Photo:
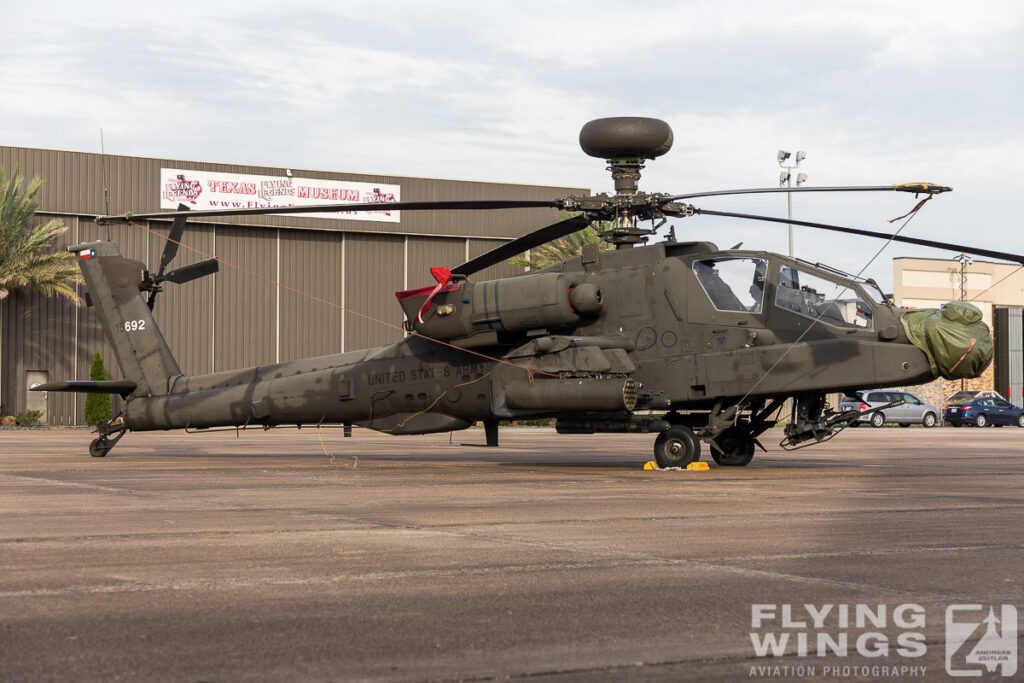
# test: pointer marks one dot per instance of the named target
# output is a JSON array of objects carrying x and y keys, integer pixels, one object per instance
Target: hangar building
[{"x": 234, "y": 319}]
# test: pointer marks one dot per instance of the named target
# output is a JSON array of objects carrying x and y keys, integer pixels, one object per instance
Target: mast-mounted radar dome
[
  {"x": 626, "y": 137},
  {"x": 626, "y": 142}
]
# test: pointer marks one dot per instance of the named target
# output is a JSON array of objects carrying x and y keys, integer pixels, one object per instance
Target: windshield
[
  {"x": 815, "y": 297},
  {"x": 733, "y": 284},
  {"x": 874, "y": 291}
]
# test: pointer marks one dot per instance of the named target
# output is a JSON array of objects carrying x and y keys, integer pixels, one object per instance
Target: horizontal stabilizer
[{"x": 111, "y": 386}]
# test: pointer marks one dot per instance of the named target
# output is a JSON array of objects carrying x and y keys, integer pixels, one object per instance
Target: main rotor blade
[
  {"x": 867, "y": 233},
  {"x": 916, "y": 188},
  {"x": 193, "y": 271},
  {"x": 174, "y": 239},
  {"x": 448, "y": 205},
  {"x": 521, "y": 244}
]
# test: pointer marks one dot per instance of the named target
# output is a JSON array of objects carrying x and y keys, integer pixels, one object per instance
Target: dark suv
[
  {"x": 913, "y": 412},
  {"x": 982, "y": 412}
]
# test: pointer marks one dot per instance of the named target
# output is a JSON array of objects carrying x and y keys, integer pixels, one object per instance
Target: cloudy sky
[{"x": 875, "y": 92}]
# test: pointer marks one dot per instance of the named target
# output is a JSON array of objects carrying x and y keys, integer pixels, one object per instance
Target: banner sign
[{"x": 213, "y": 190}]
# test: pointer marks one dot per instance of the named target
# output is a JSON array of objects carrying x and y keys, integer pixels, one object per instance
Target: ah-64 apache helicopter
[{"x": 677, "y": 338}]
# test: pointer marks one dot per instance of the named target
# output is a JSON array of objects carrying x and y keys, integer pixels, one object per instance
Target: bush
[
  {"x": 28, "y": 418},
  {"x": 97, "y": 406}
]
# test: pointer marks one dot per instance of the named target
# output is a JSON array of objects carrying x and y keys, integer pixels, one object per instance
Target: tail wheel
[
  {"x": 929, "y": 420},
  {"x": 98, "y": 448},
  {"x": 676, "y": 447},
  {"x": 877, "y": 420},
  {"x": 981, "y": 421}
]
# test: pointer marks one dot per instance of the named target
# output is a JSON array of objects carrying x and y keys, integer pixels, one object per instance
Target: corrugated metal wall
[
  {"x": 233, "y": 319},
  {"x": 313, "y": 263},
  {"x": 1008, "y": 334},
  {"x": 245, "y": 320},
  {"x": 374, "y": 271}
]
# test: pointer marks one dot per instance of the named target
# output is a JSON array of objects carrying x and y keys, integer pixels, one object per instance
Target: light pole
[
  {"x": 786, "y": 178},
  {"x": 965, "y": 261}
]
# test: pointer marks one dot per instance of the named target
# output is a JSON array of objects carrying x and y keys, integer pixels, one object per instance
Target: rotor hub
[{"x": 625, "y": 142}]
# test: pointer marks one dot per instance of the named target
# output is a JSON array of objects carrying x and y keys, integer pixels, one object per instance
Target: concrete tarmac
[{"x": 271, "y": 556}]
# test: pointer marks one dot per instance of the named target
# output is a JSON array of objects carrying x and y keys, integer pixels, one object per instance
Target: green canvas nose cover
[{"x": 956, "y": 341}]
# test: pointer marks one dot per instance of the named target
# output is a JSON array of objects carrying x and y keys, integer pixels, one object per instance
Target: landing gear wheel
[
  {"x": 99, "y": 448},
  {"x": 676, "y": 447},
  {"x": 738, "y": 449},
  {"x": 877, "y": 420},
  {"x": 981, "y": 421},
  {"x": 929, "y": 420}
]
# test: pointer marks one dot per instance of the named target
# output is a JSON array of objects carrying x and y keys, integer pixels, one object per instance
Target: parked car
[
  {"x": 964, "y": 396},
  {"x": 913, "y": 412},
  {"x": 982, "y": 412}
]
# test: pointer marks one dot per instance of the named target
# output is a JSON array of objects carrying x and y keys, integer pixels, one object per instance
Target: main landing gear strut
[{"x": 731, "y": 440}]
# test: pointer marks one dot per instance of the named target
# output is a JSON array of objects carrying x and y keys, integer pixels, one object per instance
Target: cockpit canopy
[{"x": 737, "y": 283}]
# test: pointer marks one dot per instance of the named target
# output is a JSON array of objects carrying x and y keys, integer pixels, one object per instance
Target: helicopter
[{"x": 676, "y": 339}]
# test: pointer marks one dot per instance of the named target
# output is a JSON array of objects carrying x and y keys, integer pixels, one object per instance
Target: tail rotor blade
[
  {"x": 193, "y": 271},
  {"x": 173, "y": 240}
]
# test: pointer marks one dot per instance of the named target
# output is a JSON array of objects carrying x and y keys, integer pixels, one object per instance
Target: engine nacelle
[{"x": 541, "y": 302}]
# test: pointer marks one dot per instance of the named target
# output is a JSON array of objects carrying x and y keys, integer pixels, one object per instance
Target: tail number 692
[{"x": 134, "y": 325}]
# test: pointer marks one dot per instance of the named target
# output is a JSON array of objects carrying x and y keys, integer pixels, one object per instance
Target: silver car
[{"x": 913, "y": 412}]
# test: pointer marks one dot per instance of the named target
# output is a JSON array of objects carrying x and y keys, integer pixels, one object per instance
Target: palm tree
[
  {"x": 25, "y": 263},
  {"x": 565, "y": 247}
]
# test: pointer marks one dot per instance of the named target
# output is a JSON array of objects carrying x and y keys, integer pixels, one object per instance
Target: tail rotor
[{"x": 153, "y": 283}]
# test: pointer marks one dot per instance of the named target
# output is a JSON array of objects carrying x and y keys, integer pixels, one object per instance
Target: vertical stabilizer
[{"x": 115, "y": 285}]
